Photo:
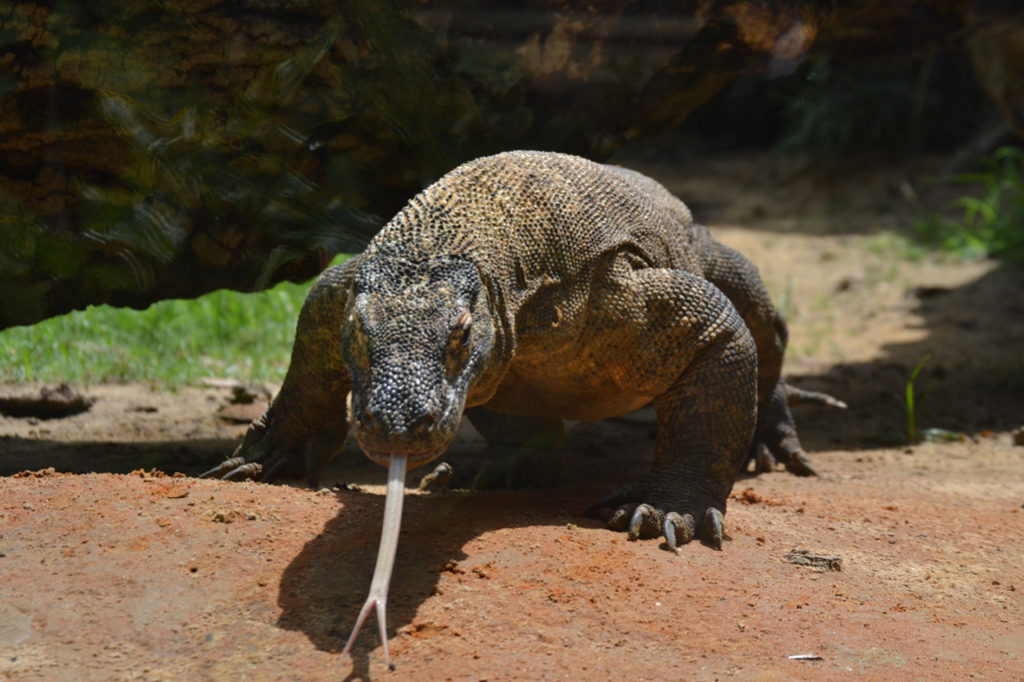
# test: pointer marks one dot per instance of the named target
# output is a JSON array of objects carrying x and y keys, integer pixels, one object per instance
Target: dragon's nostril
[{"x": 423, "y": 422}]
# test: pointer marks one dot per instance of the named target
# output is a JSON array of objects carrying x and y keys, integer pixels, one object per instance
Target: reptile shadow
[
  {"x": 325, "y": 585},
  {"x": 971, "y": 382},
  {"x": 81, "y": 457},
  {"x": 323, "y": 588}
]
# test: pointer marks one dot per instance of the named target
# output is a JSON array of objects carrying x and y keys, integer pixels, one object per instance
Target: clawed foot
[
  {"x": 775, "y": 439},
  {"x": 255, "y": 458},
  {"x": 234, "y": 468},
  {"x": 438, "y": 479},
  {"x": 794, "y": 458},
  {"x": 647, "y": 520},
  {"x": 265, "y": 454}
]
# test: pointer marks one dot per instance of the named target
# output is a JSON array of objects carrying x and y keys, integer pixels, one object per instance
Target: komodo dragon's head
[{"x": 417, "y": 334}]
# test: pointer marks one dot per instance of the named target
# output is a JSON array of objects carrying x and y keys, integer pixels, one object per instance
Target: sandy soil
[{"x": 120, "y": 575}]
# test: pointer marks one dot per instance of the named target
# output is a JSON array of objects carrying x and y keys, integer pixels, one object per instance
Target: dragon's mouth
[{"x": 414, "y": 459}]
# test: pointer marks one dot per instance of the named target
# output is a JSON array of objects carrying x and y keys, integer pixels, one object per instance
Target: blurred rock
[
  {"x": 159, "y": 150},
  {"x": 51, "y": 403}
]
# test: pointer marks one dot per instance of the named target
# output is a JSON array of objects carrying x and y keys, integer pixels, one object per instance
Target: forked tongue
[{"x": 385, "y": 556}]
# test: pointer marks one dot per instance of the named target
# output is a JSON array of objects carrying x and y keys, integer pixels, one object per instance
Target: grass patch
[
  {"x": 171, "y": 343},
  {"x": 992, "y": 218},
  {"x": 886, "y": 243}
]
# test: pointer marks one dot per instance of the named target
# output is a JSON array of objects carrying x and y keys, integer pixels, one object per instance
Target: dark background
[{"x": 152, "y": 150}]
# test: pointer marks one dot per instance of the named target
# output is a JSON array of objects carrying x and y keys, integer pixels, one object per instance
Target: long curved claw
[
  {"x": 265, "y": 460},
  {"x": 798, "y": 396},
  {"x": 437, "y": 479},
  {"x": 712, "y": 530},
  {"x": 645, "y": 522},
  {"x": 224, "y": 467},
  {"x": 763, "y": 459},
  {"x": 799, "y": 464},
  {"x": 621, "y": 517},
  {"x": 256, "y": 457},
  {"x": 270, "y": 455},
  {"x": 649, "y": 519},
  {"x": 775, "y": 439},
  {"x": 249, "y": 470},
  {"x": 246, "y": 461},
  {"x": 679, "y": 529},
  {"x": 794, "y": 458}
]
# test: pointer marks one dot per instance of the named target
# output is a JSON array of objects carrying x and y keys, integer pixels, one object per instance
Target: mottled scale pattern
[{"x": 529, "y": 287}]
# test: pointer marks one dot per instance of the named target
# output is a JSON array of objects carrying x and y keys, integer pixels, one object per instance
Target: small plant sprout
[
  {"x": 914, "y": 434},
  {"x": 909, "y": 402}
]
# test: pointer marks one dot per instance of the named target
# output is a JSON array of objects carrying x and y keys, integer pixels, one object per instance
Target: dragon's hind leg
[{"x": 775, "y": 439}]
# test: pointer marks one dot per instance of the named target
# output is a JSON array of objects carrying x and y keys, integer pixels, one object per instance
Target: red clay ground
[{"x": 146, "y": 576}]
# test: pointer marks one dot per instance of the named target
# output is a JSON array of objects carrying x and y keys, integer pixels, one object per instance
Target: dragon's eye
[
  {"x": 463, "y": 326},
  {"x": 458, "y": 343}
]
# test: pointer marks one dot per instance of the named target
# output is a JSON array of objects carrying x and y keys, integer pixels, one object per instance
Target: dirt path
[{"x": 144, "y": 576}]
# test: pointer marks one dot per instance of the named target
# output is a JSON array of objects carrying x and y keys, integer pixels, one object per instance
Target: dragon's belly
[{"x": 568, "y": 388}]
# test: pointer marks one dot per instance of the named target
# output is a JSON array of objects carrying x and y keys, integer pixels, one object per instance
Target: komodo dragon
[{"x": 546, "y": 287}]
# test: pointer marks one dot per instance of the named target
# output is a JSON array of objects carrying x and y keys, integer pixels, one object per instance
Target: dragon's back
[{"x": 524, "y": 216}]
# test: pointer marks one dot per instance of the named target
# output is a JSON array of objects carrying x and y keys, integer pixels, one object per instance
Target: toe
[
  {"x": 438, "y": 479},
  {"x": 763, "y": 459},
  {"x": 679, "y": 529},
  {"x": 711, "y": 530},
  {"x": 224, "y": 467},
  {"x": 799, "y": 464},
  {"x": 250, "y": 470},
  {"x": 621, "y": 517},
  {"x": 645, "y": 522}
]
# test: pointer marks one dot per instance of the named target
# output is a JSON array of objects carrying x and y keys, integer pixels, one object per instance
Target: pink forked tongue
[{"x": 385, "y": 555}]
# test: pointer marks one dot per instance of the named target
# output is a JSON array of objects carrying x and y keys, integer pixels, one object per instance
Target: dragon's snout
[
  {"x": 382, "y": 425},
  {"x": 421, "y": 434}
]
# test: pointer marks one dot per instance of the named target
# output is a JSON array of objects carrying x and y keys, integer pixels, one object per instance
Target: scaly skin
[{"x": 543, "y": 286}]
